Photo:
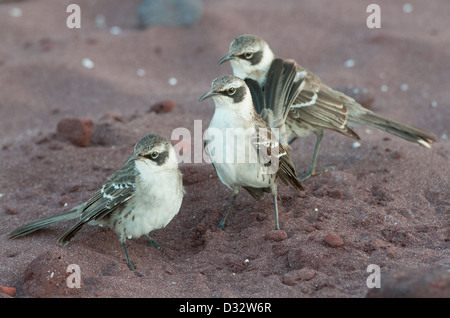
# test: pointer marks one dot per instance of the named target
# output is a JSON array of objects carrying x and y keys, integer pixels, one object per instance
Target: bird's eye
[
  {"x": 154, "y": 154},
  {"x": 231, "y": 91},
  {"x": 248, "y": 55}
]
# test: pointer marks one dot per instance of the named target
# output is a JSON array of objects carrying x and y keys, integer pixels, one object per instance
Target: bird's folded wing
[
  {"x": 266, "y": 144},
  {"x": 288, "y": 174},
  {"x": 273, "y": 155},
  {"x": 315, "y": 104},
  {"x": 320, "y": 104},
  {"x": 116, "y": 191}
]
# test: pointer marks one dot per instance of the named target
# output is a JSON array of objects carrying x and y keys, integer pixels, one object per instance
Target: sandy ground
[{"x": 388, "y": 200}]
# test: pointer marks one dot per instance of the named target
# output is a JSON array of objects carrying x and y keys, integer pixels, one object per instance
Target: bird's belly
[
  {"x": 247, "y": 175},
  {"x": 149, "y": 209},
  {"x": 234, "y": 154},
  {"x": 144, "y": 220}
]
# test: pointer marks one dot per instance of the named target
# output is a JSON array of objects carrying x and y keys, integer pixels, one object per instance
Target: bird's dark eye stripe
[
  {"x": 159, "y": 159},
  {"x": 237, "y": 96},
  {"x": 152, "y": 156},
  {"x": 254, "y": 59}
]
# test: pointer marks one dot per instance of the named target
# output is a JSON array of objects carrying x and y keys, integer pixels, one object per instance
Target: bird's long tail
[
  {"x": 398, "y": 129},
  {"x": 39, "y": 224}
]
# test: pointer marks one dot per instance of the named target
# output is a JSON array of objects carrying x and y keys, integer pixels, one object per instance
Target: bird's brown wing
[
  {"x": 317, "y": 105},
  {"x": 274, "y": 156}
]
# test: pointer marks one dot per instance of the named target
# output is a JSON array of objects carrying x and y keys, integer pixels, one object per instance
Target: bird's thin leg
[
  {"x": 221, "y": 224},
  {"x": 312, "y": 168},
  {"x": 153, "y": 243},
  {"x": 130, "y": 266},
  {"x": 275, "y": 204}
]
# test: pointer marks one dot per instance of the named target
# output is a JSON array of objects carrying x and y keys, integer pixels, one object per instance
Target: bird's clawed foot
[{"x": 313, "y": 172}]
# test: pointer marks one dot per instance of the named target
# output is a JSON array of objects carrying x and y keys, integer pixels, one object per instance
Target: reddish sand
[{"x": 385, "y": 203}]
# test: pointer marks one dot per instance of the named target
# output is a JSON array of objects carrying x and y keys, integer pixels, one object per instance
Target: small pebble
[
  {"x": 349, "y": 63},
  {"x": 356, "y": 145},
  {"x": 64, "y": 200},
  {"x": 391, "y": 252},
  {"x": 115, "y": 30},
  {"x": 77, "y": 131},
  {"x": 10, "y": 291},
  {"x": 100, "y": 21},
  {"x": 380, "y": 244},
  {"x": 310, "y": 229},
  {"x": 291, "y": 278},
  {"x": 276, "y": 235},
  {"x": 163, "y": 106},
  {"x": 397, "y": 155},
  {"x": 318, "y": 226},
  {"x": 333, "y": 240},
  {"x": 407, "y": 8},
  {"x": 384, "y": 88},
  {"x": 173, "y": 81},
  {"x": 141, "y": 72},
  {"x": 336, "y": 194},
  {"x": 87, "y": 63},
  {"x": 15, "y": 12},
  {"x": 10, "y": 211}
]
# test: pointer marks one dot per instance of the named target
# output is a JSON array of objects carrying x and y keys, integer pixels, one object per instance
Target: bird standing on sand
[
  {"x": 317, "y": 106},
  {"x": 258, "y": 159},
  {"x": 141, "y": 197}
]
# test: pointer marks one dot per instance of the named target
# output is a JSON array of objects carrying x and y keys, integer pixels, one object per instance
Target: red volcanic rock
[{"x": 77, "y": 131}]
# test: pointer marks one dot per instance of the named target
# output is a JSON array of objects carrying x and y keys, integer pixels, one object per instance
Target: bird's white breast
[
  {"x": 157, "y": 199},
  {"x": 232, "y": 151}
]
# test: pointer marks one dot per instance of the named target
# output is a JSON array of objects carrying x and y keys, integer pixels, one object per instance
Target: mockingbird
[
  {"x": 141, "y": 197},
  {"x": 317, "y": 106},
  {"x": 258, "y": 158}
]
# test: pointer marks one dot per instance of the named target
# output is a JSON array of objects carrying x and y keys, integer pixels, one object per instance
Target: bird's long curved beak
[
  {"x": 227, "y": 57},
  {"x": 208, "y": 94}
]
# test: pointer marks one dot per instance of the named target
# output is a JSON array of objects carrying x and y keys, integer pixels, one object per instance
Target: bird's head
[
  {"x": 229, "y": 91},
  {"x": 155, "y": 152},
  {"x": 250, "y": 57}
]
